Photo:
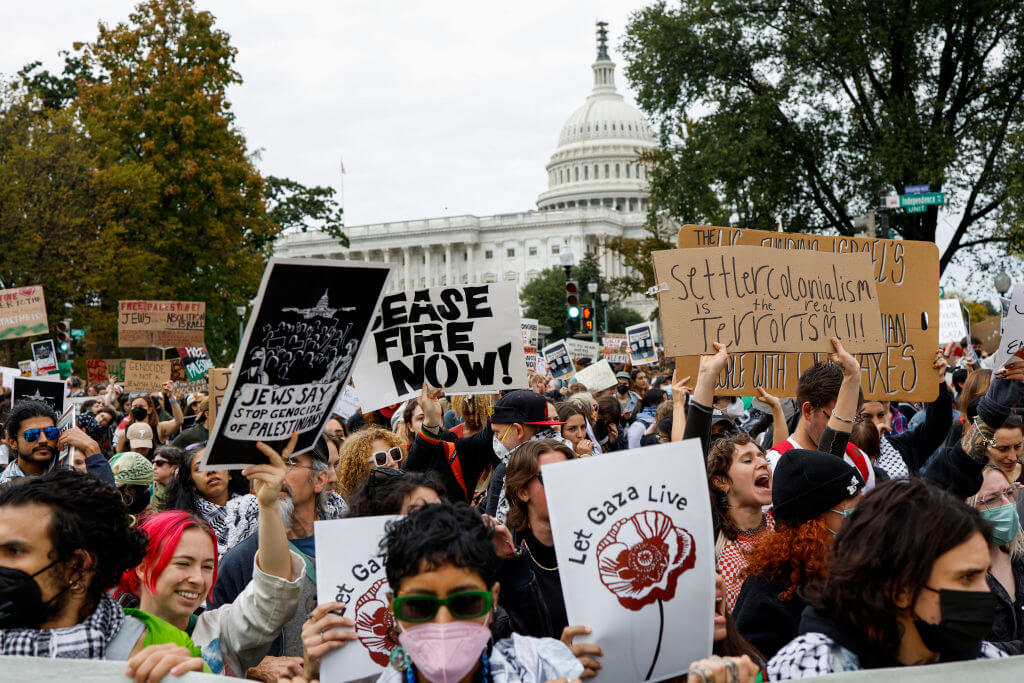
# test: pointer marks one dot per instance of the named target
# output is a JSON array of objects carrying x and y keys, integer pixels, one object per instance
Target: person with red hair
[
  {"x": 180, "y": 569},
  {"x": 812, "y": 494}
]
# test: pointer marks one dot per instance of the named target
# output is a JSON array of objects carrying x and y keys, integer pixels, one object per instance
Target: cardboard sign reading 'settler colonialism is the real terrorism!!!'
[
  {"x": 906, "y": 275},
  {"x": 465, "y": 339},
  {"x": 636, "y": 556},
  {"x": 308, "y": 324}
]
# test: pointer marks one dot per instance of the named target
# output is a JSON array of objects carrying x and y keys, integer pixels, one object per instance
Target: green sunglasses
[{"x": 417, "y": 609}]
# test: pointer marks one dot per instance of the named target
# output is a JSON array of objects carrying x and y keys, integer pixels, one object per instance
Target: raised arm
[
  {"x": 780, "y": 430},
  {"x": 679, "y": 393},
  {"x": 168, "y": 427},
  {"x": 698, "y": 418},
  {"x": 273, "y": 555}
]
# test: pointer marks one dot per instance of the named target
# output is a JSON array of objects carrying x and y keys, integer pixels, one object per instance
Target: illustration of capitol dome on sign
[{"x": 596, "y": 163}]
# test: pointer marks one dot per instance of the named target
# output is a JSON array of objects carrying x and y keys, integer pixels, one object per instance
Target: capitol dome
[{"x": 596, "y": 163}]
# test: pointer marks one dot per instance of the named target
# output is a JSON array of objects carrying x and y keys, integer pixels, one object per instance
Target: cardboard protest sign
[
  {"x": 906, "y": 276},
  {"x": 308, "y": 323},
  {"x": 460, "y": 338},
  {"x": 636, "y": 556},
  {"x": 146, "y": 375},
  {"x": 750, "y": 299},
  {"x": 640, "y": 340},
  {"x": 350, "y": 569},
  {"x": 49, "y": 391},
  {"x": 96, "y": 371},
  {"x": 579, "y": 348},
  {"x": 1011, "y": 342},
  {"x": 597, "y": 376},
  {"x": 988, "y": 332},
  {"x": 951, "y": 321},
  {"x": 45, "y": 356},
  {"x": 160, "y": 323},
  {"x": 558, "y": 359},
  {"x": 115, "y": 368},
  {"x": 219, "y": 379},
  {"x": 616, "y": 350},
  {"x": 22, "y": 312}
]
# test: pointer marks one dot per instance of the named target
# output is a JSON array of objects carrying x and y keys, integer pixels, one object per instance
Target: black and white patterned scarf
[
  {"x": 87, "y": 640},
  {"x": 890, "y": 461},
  {"x": 243, "y": 516},
  {"x": 216, "y": 516},
  {"x": 549, "y": 433}
]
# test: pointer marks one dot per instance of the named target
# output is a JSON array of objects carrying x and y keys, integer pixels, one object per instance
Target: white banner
[
  {"x": 597, "y": 376},
  {"x": 636, "y": 556},
  {"x": 462, "y": 339},
  {"x": 951, "y": 321},
  {"x": 583, "y": 349},
  {"x": 350, "y": 569}
]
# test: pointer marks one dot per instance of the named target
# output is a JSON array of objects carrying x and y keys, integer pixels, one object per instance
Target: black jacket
[
  {"x": 763, "y": 618},
  {"x": 475, "y": 453},
  {"x": 1008, "y": 628},
  {"x": 533, "y": 596},
  {"x": 916, "y": 445}
]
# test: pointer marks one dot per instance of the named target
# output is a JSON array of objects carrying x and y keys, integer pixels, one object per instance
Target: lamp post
[
  {"x": 592, "y": 288},
  {"x": 604, "y": 305},
  {"x": 240, "y": 310},
  {"x": 1002, "y": 283}
]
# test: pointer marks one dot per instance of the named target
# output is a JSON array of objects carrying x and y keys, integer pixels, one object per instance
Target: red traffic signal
[{"x": 588, "y": 318}]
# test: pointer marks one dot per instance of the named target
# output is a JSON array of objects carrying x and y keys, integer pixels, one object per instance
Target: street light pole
[
  {"x": 240, "y": 310},
  {"x": 1002, "y": 283},
  {"x": 604, "y": 305},
  {"x": 592, "y": 288}
]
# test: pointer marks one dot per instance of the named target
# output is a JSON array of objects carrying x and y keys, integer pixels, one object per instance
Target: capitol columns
[
  {"x": 428, "y": 266},
  {"x": 448, "y": 264},
  {"x": 407, "y": 280},
  {"x": 470, "y": 263}
]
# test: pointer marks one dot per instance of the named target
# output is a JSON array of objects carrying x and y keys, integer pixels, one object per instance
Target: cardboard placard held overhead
[
  {"x": 757, "y": 299},
  {"x": 50, "y": 391},
  {"x": 219, "y": 378},
  {"x": 907, "y": 278},
  {"x": 579, "y": 348},
  {"x": 616, "y": 350},
  {"x": 597, "y": 376},
  {"x": 160, "y": 323},
  {"x": 45, "y": 356},
  {"x": 197, "y": 362},
  {"x": 309, "y": 321},
  {"x": 463, "y": 338},
  {"x": 96, "y": 371},
  {"x": 146, "y": 375},
  {"x": 22, "y": 312},
  {"x": 636, "y": 556}
]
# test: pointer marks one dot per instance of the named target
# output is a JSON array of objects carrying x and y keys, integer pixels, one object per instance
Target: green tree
[
  {"x": 294, "y": 206},
  {"x": 543, "y": 298},
  {"x": 809, "y": 111}
]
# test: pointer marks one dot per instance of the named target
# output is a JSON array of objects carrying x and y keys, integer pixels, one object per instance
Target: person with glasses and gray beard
[{"x": 305, "y": 497}]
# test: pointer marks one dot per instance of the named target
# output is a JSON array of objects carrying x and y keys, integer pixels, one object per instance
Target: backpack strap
[
  {"x": 456, "y": 465},
  {"x": 121, "y": 645}
]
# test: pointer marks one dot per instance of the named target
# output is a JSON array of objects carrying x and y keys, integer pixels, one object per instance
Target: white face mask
[{"x": 735, "y": 409}]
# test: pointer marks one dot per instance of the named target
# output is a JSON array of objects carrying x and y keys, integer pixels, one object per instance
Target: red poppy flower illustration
[
  {"x": 641, "y": 558},
  {"x": 375, "y": 624}
]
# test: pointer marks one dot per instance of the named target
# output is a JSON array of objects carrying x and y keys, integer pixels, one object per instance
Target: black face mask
[
  {"x": 139, "y": 414},
  {"x": 622, "y": 389},
  {"x": 967, "y": 618},
  {"x": 21, "y": 601}
]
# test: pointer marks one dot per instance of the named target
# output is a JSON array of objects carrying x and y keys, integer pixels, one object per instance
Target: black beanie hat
[{"x": 807, "y": 483}]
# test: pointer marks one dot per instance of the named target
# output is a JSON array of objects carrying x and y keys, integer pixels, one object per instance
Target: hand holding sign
[
  {"x": 585, "y": 652},
  {"x": 268, "y": 479},
  {"x": 324, "y": 631}
]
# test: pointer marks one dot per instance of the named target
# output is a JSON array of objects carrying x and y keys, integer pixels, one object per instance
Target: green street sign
[
  {"x": 77, "y": 333},
  {"x": 915, "y": 209},
  {"x": 912, "y": 202}
]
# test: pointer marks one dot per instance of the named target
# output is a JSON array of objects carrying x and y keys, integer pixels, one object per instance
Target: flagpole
[{"x": 343, "y": 186}]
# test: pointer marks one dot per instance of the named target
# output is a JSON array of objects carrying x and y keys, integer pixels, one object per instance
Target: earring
[
  {"x": 399, "y": 659},
  {"x": 76, "y": 586}
]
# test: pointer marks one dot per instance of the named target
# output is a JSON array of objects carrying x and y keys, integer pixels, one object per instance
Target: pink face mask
[{"x": 445, "y": 653}]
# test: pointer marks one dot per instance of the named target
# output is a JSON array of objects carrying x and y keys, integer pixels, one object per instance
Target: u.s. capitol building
[{"x": 597, "y": 190}]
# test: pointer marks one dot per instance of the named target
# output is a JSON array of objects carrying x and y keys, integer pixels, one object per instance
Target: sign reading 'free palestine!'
[{"x": 759, "y": 299}]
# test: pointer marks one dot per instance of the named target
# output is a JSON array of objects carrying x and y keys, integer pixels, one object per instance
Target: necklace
[
  {"x": 534, "y": 560},
  {"x": 754, "y": 531}
]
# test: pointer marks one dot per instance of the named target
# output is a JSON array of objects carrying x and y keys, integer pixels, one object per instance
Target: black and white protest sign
[
  {"x": 45, "y": 390},
  {"x": 465, "y": 339},
  {"x": 350, "y": 570},
  {"x": 1011, "y": 343},
  {"x": 559, "y": 360},
  {"x": 640, "y": 338},
  {"x": 45, "y": 356},
  {"x": 300, "y": 344},
  {"x": 636, "y": 556},
  {"x": 68, "y": 420}
]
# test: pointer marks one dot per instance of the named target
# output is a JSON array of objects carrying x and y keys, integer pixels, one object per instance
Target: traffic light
[
  {"x": 572, "y": 298},
  {"x": 63, "y": 338},
  {"x": 588, "y": 319}
]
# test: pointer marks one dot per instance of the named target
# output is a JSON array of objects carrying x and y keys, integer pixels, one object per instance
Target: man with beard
[
  {"x": 32, "y": 437},
  {"x": 304, "y": 498}
]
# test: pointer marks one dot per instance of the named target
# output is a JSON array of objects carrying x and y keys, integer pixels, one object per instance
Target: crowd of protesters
[{"x": 849, "y": 533}]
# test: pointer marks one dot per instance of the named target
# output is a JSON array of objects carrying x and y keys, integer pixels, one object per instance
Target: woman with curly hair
[
  {"x": 814, "y": 492},
  {"x": 363, "y": 450},
  {"x": 473, "y": 411}
]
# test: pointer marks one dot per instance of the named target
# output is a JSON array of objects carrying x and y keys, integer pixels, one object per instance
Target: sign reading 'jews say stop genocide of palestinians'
[
  {"x": 465, "y": 339},
  {"x": 906, "y": 275},
  {"x": 160, "y": 323},
  {"x": 636, "y": 556},
  {"x": 300, "y": 344},
  {"x": 757, "y": 299}
]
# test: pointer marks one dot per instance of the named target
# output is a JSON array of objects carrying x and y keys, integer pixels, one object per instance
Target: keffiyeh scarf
[
  {"x": 216, "y": 516},
  {"x": 890, "y": 461},
  {"x": 87, "y": 640},
  {"x": 243, "y": 516}
]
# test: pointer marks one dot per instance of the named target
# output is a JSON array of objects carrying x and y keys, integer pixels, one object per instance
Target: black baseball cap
[{"x": 522, "y": 407}]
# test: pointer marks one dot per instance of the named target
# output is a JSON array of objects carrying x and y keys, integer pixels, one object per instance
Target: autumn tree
[{"x": 810, "y": 110}]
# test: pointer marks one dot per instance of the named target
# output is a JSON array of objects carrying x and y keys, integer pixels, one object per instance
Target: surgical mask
[
  {"x": 1005, "y": 523},
  {"x": 21, "y": 601},
  {"x": 445, "y": 653},
  {"x": 967, "y": 618},
  {"x": 139, "y": 413}
]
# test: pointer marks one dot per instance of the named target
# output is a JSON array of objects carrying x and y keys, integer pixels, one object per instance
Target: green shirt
[{"x": 159, "y": 631}]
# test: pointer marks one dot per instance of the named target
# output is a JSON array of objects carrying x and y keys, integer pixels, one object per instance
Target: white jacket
[{"x": 237, "y": 636}]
